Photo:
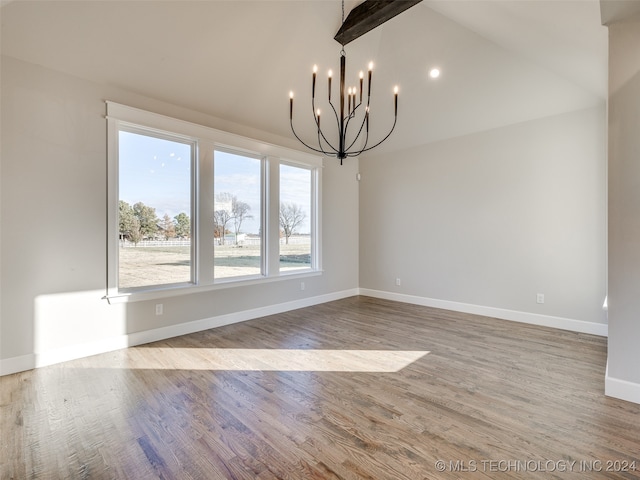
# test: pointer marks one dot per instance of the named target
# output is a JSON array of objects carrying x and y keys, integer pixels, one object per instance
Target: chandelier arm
[
  {"x": 350, "y": 116},
  {"x": 353, "y": 115},
  {"x": 321, "y": 135},
  {"x": 316, "y": 119},
  {"x": 388, "y": 134},
  {"x": 335, "y": 112},
  {"x": 358, "y": 135},
  {"x": 313, "y": 110},
  {"x": 331, "y": 154},
  {"x": 364, "y": 120}
]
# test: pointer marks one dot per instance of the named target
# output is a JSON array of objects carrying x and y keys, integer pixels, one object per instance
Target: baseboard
[
  {"x": 600, "y": 329},
  {"x": 621, "y": 389},
  {"x": 72, "y": 352},
  {"x": 17, "y": 364}
]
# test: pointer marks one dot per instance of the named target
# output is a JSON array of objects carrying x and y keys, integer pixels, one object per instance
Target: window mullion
[
  {"x": 316, "y": 219},
  {"x": 272, "y": 222},
  {"x": 205, "y": 228}
]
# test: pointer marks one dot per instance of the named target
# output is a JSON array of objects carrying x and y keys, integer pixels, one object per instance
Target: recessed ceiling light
[{"x": 434, "y": 73}]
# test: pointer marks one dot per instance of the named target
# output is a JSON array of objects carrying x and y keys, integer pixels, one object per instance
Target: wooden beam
[{"x": 368, "y": 15}]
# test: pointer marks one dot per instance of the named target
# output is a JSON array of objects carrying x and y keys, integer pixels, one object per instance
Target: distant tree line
[{"x": 140, "y": 221}]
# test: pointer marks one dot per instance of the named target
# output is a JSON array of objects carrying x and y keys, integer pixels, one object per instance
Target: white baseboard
[
  {"x": 513, "y": 315},
  {"x": 72, "y": 352},
  {"x": 622, "y": 389},
  {"x": 17, "y": 364}
]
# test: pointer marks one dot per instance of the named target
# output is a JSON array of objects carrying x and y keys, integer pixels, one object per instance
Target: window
[
  {"x": 237, "y": 215},
  {"x": 295, "y": 217},
  {"x": 190, "y": 207},
  {"x": 154, "y": 210}
]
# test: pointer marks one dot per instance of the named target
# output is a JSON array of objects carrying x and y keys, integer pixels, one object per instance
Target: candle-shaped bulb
[
  {"x": 330, "y": 74},
  {"x": 313, "y": 82},
  {"x": 318, "y": 118},
  {"x": 370, "y": 66},
  {"x": 395, "y": 100},
  {"x": 291, "y": 105}
]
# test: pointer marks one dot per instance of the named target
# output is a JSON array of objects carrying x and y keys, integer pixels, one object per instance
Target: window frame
[
  {"x": 154, "y": 133},
  {"x": 205, "y": 141}
]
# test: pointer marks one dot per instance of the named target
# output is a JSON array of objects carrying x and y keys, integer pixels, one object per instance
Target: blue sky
[{"x": 157, "y": 172}]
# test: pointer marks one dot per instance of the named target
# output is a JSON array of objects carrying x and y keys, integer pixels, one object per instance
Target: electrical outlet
[
  {"x": 398, "y": 282},
  {"x": 301, "y": 285},
  {"x": 540, "y": 298},
  {"x": 159, "y": 309}
]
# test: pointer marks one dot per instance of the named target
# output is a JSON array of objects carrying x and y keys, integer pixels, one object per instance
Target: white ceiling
[{"x": 502, "y": 62}]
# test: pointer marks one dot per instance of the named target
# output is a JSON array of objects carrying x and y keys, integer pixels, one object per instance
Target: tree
[
  {"x": 168, "y": 228},
  {"x": 126, "y": 219},
  {"x": 147, "y": 218},
  {"x": 240, "y": 211},
  {"x": 291, "y": 217},
  {"x": 222, "y": 215},
  {"x": 135, "y": 235},
  {"x": 182, "y": 225}
]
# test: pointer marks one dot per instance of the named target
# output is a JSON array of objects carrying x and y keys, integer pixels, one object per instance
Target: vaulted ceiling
[{"x": 502, "y": 62}]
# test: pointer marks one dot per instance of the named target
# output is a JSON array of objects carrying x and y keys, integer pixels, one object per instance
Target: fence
[
  {"x": 229, "y": 240},
  {"x": 156, "y": 243}
]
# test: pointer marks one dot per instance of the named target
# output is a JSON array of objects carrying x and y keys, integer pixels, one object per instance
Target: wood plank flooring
[{"x": 360, "y": 388}]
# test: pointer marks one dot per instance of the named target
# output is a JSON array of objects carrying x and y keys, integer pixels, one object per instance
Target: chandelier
[{"x": 352, "y": 115}]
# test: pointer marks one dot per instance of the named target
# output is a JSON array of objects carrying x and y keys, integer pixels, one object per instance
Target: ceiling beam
[{"x": 368, "y": 15}]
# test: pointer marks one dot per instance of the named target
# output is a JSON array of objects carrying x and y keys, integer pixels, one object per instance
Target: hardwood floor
[{"x": 358, "y": 388}]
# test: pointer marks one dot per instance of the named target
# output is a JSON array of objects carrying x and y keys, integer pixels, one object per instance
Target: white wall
[
  {"x": 623, "y": 373},
  {"x": 485, "y": 222},
  {"x": 53, "y": 228}
]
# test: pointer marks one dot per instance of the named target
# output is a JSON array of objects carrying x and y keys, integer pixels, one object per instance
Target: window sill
[{"x": 188, "y": 289}]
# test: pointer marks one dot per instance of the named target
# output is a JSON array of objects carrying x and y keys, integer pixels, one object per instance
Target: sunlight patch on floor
[{"x": 260, "y": 359}]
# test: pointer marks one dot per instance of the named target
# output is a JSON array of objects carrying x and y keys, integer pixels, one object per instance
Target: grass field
[{"x": 141, "y": 266}]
